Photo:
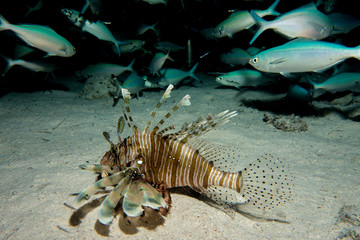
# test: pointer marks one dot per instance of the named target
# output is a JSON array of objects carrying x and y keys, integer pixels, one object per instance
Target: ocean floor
[{"x": 46, "y": 135}]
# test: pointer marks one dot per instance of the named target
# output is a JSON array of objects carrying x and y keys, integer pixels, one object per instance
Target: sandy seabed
[{"x": 46, "y": 135}]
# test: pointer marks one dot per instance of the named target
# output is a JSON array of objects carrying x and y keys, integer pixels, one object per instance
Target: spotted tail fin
[{"x": 262, "y": 185}]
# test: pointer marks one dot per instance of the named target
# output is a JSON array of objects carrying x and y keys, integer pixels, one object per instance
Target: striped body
[
  {"x": 141, "y": 167},
  {"x": 177, "y": 164}
]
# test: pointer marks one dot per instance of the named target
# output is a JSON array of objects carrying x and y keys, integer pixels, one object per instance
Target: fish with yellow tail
[{"x": 141, "y": 168}]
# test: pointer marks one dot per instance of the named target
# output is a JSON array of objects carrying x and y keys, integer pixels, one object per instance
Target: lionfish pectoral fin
[
  {"x": 141, "y": 194},
  {"x": 132, "y": 200},
  {"x": 99, "y": 168},
  {"x": 98, "y": 186},
  {"x": 108, "y": 205},
  {"x": 152, "y": 198}
]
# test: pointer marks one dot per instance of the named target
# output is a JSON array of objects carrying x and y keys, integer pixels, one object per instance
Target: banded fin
[
  {"x": 185, "y": 101},
  {"x": 141, "y": 194},
  {"x": 99, "y": 168},
  {"x": 126, "y": 112},
  {"x": 201, "y": 126},
  {"x": 107, "y": 207},
  {"x": 100, "y": 185},
  {"x": 158, "y": 105}
]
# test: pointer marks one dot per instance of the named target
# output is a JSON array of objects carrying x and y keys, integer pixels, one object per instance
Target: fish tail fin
[
  {"x": 4, "y": 24},
  {"x": 271, "y": 9},
  {"x": 130, "y": 66},
  {"x": 9, "y": 64},
  {"x": 265, "y": 184},
  {"x": 117, "y": 43},
  {"x": 262, "y": 185},
  {"x": 357, "y": 55},
  {"x": 192, "y": 71},
  {"x": 311, "y": 82},
  {"x": 263, "y": 25}
]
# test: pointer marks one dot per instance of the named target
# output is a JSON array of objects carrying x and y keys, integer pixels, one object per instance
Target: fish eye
[{"x": 255, "y": 60}]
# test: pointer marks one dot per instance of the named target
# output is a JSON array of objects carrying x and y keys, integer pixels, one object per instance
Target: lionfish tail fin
[
  {"x": 263, "y": 185},
  {"x": 202, "y": 126},
  {"x": 266, "y": 184}
]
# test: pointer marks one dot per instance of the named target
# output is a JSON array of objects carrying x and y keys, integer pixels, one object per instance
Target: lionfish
[{"x": 142, "y": 167}]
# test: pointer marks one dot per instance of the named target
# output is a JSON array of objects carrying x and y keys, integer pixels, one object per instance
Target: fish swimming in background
[
  {"x": 144, "y": 28},
  {"x": 240, "y": 20},
  {"x": 35, "y": 66},
  {"x": 97, "y": 29},
  {"x": 236, "y": 56},
  {"x": 243, "y": 78},
  {"x": 132, "y": 46},
  {"x": 349, "y": 81},
  {"x": 141, "y": 167},
  {"x": 156, "y": 1},
  {"x": 35, "y": 8},
  {"x": 343, "y": 23},
  {"x": 158, "y": 61},
  {"x": 302, "y": 55},
  {"x": 172, "y": 76},
  {"x": 168, "y": 46},
  {"x": 95, "y": 6},
  {"x": 133, "y": 83},
  {"x": 304, "y": 22},
  {"x": 40, "y": 37},
  {"x": 105, "y": 69}
]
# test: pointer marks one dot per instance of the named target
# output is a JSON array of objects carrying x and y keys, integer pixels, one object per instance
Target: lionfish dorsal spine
[
  {"x": 185, "y": 101},
  {"x": 126, "y": 112},
  {"x": 158, "y": 105}
]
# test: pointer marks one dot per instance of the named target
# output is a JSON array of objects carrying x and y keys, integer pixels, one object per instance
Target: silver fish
[
  {"x": 304, "y": 22},
  {"x": 242, "y": 78},
  {"x": 240, "y": 20},
  {"x": 236, "y": 56},
  {"x": 158, "y": 61},
  {"x": 40, "y": 37},
  {"x": 132, "y": 46},
  {"x": 144, "y": 28},
  {"x": 172, "y": 76},
  {"x": 105, "y": 69},
  {"x": 98, "y": 28},
  {"x": 156, "y": 1},
  {"x": 35, "y": 66},
  {"x": 343, "y": 23},
  {"x": 338, "y": 83},
  {"x": 133, "y": 83},
  {"x": 168, "y": 46},
  {"x": 302, "y": 55}
]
